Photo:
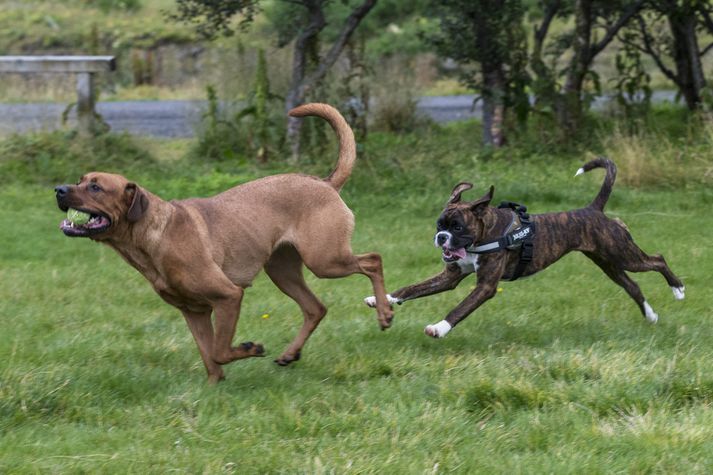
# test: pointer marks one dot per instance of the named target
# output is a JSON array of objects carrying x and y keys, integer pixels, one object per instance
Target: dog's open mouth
[
  {"x": 451, "y": 255},
  {"x": 96, "y": 224}
]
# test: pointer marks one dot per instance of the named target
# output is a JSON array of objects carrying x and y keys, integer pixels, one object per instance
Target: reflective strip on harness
[
  {"x": 512, "y": 240},
  {"x": 492, "y": 246}
]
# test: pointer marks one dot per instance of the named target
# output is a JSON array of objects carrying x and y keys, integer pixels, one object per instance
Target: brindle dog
[{"x": 605, "y": 241}]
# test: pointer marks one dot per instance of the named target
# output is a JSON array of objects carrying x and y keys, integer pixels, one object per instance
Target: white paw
[
  {"x": 439, "y": 330},
  {"x": 579, "y": 172},
  {"x": 371, "y": 300},
  {"x": 679, "y": 292},
  {"x": 651, "y": 316}
]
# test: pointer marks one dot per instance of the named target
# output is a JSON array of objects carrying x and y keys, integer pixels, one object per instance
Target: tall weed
[
  {"x": 395, "y": 99},
  {"x": 654, "y": 158}
]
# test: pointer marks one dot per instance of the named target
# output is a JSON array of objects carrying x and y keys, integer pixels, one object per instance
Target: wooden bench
[{"x": 85, "y": 67}]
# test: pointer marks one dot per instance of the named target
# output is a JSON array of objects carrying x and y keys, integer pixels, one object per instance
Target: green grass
[{"x": 558, "y": 374}]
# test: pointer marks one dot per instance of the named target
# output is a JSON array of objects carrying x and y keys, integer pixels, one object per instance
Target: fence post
[{"x": 86, "y": 116}]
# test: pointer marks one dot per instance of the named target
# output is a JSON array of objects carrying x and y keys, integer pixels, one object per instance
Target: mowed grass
[{"x": 557, "y": 374}]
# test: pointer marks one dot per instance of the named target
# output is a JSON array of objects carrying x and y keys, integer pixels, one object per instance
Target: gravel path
[
  {"x": 156, "y": 118},
  {"x": 180, "y": 118},
  {"x": 175, "y": 118}
]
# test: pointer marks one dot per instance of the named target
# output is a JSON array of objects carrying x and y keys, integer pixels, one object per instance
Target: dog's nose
[
  {"x": 61, "y": 190},
  {"x": 441, "y": 238}
]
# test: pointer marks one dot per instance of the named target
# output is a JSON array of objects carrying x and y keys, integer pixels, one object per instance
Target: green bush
[{"x": 58, "y": 157}]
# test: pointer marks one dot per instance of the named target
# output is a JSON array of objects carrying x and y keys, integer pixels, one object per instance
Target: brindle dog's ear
[
  {"x": 457, "y": 190},
  {"x": 483, "y": 200},
  {"x": 139, "y": 202}
]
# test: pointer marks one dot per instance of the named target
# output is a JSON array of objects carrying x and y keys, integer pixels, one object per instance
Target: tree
[
  {"x": 668, "y": 33},
  {"x": 487, "y": 38},
  {"x": 596, "y": 24},
  {"x": 213, "y": 17}
]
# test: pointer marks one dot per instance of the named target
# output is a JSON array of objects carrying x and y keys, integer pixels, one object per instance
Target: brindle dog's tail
[
  {"x": 347, "y": 145},
  {"x": 603, "y": 196}
]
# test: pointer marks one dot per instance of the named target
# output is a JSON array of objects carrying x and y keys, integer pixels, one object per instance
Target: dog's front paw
[
  {"x": 371, "y": 300},
  {"x": 439, "y": 330}
]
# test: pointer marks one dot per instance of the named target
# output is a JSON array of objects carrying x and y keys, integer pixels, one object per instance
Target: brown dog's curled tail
[
  {"x": 347, "y": 145},
  {"x": 603, "y": 196}
]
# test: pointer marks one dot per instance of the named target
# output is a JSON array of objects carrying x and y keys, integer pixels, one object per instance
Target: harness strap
[
  {"x": 520, "y": 237},
  {"x": 526, "y": 253},
  {"x": 527, "y": 247}
]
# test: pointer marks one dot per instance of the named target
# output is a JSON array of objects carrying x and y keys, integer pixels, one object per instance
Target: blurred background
[{"x": 222, "y": 67}]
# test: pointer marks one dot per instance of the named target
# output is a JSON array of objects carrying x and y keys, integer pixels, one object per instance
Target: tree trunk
[
  {"x": 301, "y": 82},
  {"x": 569, "y": 108},
  {"x": 494, "y": 81},
  {"x": 296, "y": 93},
  {"x": 686, "y": 55},
  {"x": 545, "y": 87},
  {"x": 493, "y": 106}
]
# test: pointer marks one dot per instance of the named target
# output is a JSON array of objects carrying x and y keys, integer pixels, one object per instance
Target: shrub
[
  {"x": 58, "y": 157},
  {"x": 255, "y": 130},
  {"x": 395, "y": 100}
]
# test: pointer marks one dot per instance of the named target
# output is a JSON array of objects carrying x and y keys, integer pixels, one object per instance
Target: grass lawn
[{"x": 557, "y": 374}]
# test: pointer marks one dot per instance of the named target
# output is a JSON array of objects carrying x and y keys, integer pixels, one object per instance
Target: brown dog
[
  {"x": 505, "y": 243},
  {"x": 200, "y": 254}
]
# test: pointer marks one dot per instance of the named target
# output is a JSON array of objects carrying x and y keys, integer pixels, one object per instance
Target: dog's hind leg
[
  {"x": 202, "y": 329},
  {"x": 285, "y": 269},
  {"x": 618, "y": 275},
  {"x": 644, "y": 263},
  {"x": 370, "y": 264},
  {"x": 343, "y": 263},
  {"x": 324, "y": 245},
  {"x": 620, "y": 247}
]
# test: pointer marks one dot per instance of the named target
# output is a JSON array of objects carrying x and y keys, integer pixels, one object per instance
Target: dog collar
[{"x": 511, "y": 240}]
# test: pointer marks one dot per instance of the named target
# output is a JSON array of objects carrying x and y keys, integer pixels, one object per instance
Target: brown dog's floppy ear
[
  {"x": 139, "y": 202},
  {"x": 457, "y": 190},
  {"x": 483, "y": 200}
]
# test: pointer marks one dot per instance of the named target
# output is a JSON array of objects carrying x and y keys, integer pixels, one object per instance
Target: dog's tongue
[
  {"x": 459, "y": 253},
  {"x": 454, "y": 253}
]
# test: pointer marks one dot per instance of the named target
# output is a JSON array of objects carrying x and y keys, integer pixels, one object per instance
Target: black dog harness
[{"x": 520, "y": 237}]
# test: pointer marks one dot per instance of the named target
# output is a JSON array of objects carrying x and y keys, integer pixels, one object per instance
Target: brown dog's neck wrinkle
[
  {"x": 146, "y": 233},
  {"x": 140, "y": 242},
  {"x": 148, "y": 230}
]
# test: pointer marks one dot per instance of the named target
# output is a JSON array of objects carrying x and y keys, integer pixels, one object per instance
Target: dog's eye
[
  {"x": 457, "y": 227},
  {"x": 94, "y": 187}
]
